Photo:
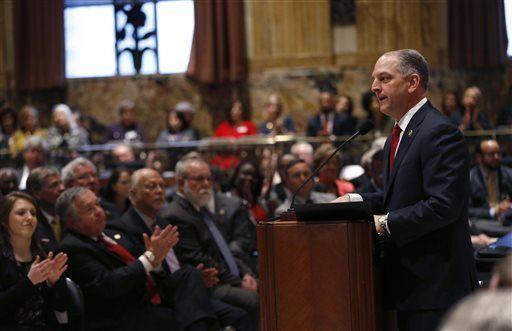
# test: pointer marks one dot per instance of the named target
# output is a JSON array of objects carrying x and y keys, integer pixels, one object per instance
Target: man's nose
[{"x": 375, "y": 86}]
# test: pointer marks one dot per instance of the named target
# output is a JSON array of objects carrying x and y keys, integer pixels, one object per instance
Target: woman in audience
[
  {"x": 118, "y": 189},
  {"x": 276, "y": 122},
  {"x": 31, "y": 287},
  {"x": 28, "y": 126},
  {"x": 65, "y": 132},
  {"x": 451, "y": 107},
  {"x": 247, "y": 182},
  {"x": 329, "y": 180},
  {"x": 237, "y": 125},
  {"x": 8, "y": 181},
  {"x": 177, "y": 129},
  {"x": 474, "y": 116},
  {"x": 345, "y": 107},
  {"x": 8, "y": 123}
]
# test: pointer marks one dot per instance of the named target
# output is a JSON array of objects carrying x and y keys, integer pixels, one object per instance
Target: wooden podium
[{"x": 316, "y": 275}]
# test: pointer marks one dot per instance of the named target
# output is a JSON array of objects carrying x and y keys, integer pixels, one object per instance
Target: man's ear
[{"x": 414, "y": 82}]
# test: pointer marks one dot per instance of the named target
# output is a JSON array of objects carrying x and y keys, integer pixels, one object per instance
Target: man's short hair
[
  {"x": 291, "y": 164},
  {"x": 181, "y": 167},
  {"x": 64, "y": 207},
  {"x": 410, "y": 61},
  {"x": 35, "y": 142},
  {"x": 68, "y": 172},
  {"x": 37, "y": 176}
]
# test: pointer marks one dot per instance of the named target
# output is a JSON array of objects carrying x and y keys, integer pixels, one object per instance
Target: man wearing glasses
[{"x": 215, "y": 230}]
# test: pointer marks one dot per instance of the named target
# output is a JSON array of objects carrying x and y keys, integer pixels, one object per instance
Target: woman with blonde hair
[{"x": 474, "y": 116}]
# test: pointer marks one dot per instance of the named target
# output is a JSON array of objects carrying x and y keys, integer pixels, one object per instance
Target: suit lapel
[{"x": 408, "y": 137}]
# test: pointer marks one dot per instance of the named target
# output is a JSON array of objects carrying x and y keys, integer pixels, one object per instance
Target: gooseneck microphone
[{"x": 363, "y": 129}]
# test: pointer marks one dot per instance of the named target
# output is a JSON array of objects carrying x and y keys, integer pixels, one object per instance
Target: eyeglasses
[{"x": 200, "y": 178}]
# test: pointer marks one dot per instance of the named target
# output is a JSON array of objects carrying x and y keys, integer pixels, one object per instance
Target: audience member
[
  {"x": 474, "y": 116},
  {"x": 327, "y": 121},
  {"x": 215, "y": 231},
  {"x": 247, "y": 183},
  {"x": 31, "y": 287},
  {"x": 118, "y": 189},
  {"x": 191, "y": 297},
  {"x": 296, "y": 173},
  {"x": 95, "y": 130},
  {"x": 178, "y": 128},
  {"x": 451, "y": 107},
  {"x": 34, "y": 155},
  {"x": 279, "y": 192},
  {"x": 65, "y": 132},
  {"x": 276, "y": 122},
  {"x": 481, "y": 311},
  {"x": 237, "y": 125},
  {"x": 28, "y": 126},
  {"x": 383, "y": 124},
  {"x": 45, "y": 185},
  {"x": 8, "y": 123},
  {"x": 491, "y": 184},
  {"x": 82, "y": 172},
  {"x": 8, "y": 181},
  {"x": 127, "y": 129},
  {"x": 374, "y": 181},
  {"x": 328, "y": 177},
  {"x": 304, "y": 151},
  {"x": 121, "y": 291},
  {"x": 188, "y": 111},
  {"x": 345, "y": 108}
]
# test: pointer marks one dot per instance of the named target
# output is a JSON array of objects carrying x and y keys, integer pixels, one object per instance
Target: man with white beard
[{"x": 215, "y": 230}]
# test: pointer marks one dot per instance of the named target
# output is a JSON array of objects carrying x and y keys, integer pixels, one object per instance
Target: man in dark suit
[
  {"x": 328, "y": 122},
  {"x": 491, "y": 184},
  {"x": 120, "y": 291},
  {"x": 189, "y": 283},
  {"x": 45, "y": 186},
  {"x": 421, "y": 216},
  {"x": 204, "y": 239},
  {"x": 82, "y": 172}
]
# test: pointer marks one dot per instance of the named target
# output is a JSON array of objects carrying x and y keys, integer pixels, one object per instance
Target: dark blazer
[
  {"x": 15, "y": 290},
  {"x": 343, "y": 124},
  {"x": 478, "y": 199},
  {"x": 196, "y": 244},
  {"x": 111, "y": 288},
  {"x": 45, "y": 233},
  {"x": 427, "y": 259}
]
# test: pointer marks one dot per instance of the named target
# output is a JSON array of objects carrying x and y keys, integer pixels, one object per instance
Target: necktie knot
[{"x": 396, "y": 131}]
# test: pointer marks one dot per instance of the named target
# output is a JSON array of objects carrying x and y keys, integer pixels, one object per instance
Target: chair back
[{"x": 76, "y": 308}]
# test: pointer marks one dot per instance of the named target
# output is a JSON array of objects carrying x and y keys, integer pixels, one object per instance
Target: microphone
[{"x": 363, "y": 129}]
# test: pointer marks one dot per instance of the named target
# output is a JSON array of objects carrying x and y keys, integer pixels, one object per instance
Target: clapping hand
[
  {"x": 210, "y": 277},
  {"x": 57, "y": 267},
  {"x": 250, "y": 283},
  {"x": 49, "y": 269},
  {"x": 161, "y": 242}
]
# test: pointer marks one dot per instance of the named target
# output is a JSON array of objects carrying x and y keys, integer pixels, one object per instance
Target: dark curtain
[
  {"x": 477, "y": 33},
  {"x": 39, "y": 44},
  {"x": 218, "y": 50}
]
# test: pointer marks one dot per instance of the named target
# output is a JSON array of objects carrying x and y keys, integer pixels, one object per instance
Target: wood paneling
[
  {"x": 288, "y": 33},
  {"x": 6, "y": 45}
]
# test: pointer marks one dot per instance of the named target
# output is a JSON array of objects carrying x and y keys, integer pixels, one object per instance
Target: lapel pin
[
  {"x": 222, "y": 212},
  {"x": 117, "y": 236},
  {"x": 410, "y": 133}
]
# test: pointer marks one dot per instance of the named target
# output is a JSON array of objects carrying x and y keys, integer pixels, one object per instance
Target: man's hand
[
  {"x": 161, "y": 242},
  {"x": 343, "y": 198},
  {"x": 482, "y": 240},
  {"x": 378, "y": 228},
  {"x": 249, "y": 283},
  {"x": 210, "y": 277}
]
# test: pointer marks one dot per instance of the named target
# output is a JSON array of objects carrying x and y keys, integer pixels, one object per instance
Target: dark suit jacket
[
  {"x": 343, "y": 124},
  {"x": 16, "y": 291},
  {"x": 196, "y": 244},
  {"x": 478, "y": 199},
  {"x": 45, "y": 233},
  {"x": 427, "y": 259},
  {"x": 111, "y": 288}
]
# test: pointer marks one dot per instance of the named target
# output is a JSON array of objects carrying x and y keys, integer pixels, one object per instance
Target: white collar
[{"x": 404, "y": 121}]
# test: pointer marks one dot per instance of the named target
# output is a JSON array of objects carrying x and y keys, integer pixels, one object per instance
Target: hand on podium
[{"x": 343, "y": 198}]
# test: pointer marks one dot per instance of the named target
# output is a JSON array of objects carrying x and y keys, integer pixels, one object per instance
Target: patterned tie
[
  {"x": 221, "y": 242},
  {"x": 394, "y": 144},
  {"x": 128, "y": 258},
  {"x": 492, "y": 189}
]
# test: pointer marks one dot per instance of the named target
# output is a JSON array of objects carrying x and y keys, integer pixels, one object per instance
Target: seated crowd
[{"x": 154, "y": 254}]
